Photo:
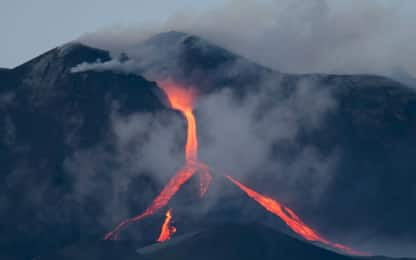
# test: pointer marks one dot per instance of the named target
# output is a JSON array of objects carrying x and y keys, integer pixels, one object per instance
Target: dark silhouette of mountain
[
  {"x": 236, "y": 241},
  {"x": 48, "y": 114},
  {"x": 99, "y": 250}
]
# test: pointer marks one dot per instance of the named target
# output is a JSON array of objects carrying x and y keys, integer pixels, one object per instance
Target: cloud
[{"x": 240, "y": 136}]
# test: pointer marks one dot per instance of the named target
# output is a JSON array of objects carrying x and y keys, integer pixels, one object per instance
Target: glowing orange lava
[
  {"x": 290, "y": 218},
  {"x": 167, "y": 228},
  {"x": 182, "y": 99},
  {"x": 174, "y": 184}
]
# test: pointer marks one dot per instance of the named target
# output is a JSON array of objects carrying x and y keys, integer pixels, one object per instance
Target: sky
[
  {"x": 297, "y": 36},
  {"x": 30, "y": 27}
]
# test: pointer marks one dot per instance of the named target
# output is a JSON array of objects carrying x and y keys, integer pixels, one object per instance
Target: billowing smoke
[
  {"x": 297, "y": 36},
  {"x": 239, "y": 137}
]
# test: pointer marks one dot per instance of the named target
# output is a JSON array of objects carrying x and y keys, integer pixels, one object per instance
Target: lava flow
[
  {"x": 183, "y": 99},
  {"x": 290, "y": 218},
  {"x": 167, "y": 228}
]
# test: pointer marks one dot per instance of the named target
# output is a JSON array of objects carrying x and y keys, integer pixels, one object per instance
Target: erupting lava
[
  {"x": 167, "y": 228},
  {"x": 183, "y": 99}
]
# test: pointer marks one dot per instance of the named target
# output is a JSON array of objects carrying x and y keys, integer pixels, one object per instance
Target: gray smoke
[{"x": 297, "y": 36}]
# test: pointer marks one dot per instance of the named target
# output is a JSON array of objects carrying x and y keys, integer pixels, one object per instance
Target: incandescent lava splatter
[{"x": 167, "y": 228}]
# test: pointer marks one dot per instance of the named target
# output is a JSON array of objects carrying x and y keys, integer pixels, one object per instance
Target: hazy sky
[
  {"x": 298, "y": 36},
  {"x": 30, "y": 27}
]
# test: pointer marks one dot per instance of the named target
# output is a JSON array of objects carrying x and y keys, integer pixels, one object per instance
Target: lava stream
[
  {"x": 167, "y": 228},
  {"x": 182, "y": 99},
  {"x": 174, "y": 184},
  {"x": 290, "y": 218}
]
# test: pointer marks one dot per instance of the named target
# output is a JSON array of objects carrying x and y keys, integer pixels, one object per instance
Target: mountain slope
[
  {"x": 100, "y": 250},
  {"x": 47, "y": 116}
]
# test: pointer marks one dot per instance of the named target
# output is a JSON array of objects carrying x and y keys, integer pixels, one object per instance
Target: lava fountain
[{"x": 182, "y": 99}]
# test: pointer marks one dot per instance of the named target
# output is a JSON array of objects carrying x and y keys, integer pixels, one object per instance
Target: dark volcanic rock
[
  {"x": 232, "y": 242},
  {"x": 99, "y": 250}
]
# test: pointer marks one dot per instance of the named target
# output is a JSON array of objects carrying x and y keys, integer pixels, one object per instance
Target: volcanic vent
[{"x": 183, "y": 98}]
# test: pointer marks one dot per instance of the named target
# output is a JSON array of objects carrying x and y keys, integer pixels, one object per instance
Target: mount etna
[{"x": 177, "y": 148}]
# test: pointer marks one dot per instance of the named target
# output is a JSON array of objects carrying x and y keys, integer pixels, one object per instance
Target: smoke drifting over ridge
[{"x": 297, "y": 36}]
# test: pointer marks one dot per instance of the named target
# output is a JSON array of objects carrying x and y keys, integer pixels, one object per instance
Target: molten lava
[
  {"x": 167, "y": 228},
  {"x": 183, "y": 99},
  {"x": 174, "y": 184},
  {"x": 290, "y": 218}
]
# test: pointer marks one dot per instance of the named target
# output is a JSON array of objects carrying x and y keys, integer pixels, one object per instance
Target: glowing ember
[
  {"x": 290, "y": 218},
  {"x": 167, "y": 228}
]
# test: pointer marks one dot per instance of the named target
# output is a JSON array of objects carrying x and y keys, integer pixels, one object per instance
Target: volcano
[
  {"x": 50, "y": 115},
  {"x": 182, "y": 99}
]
